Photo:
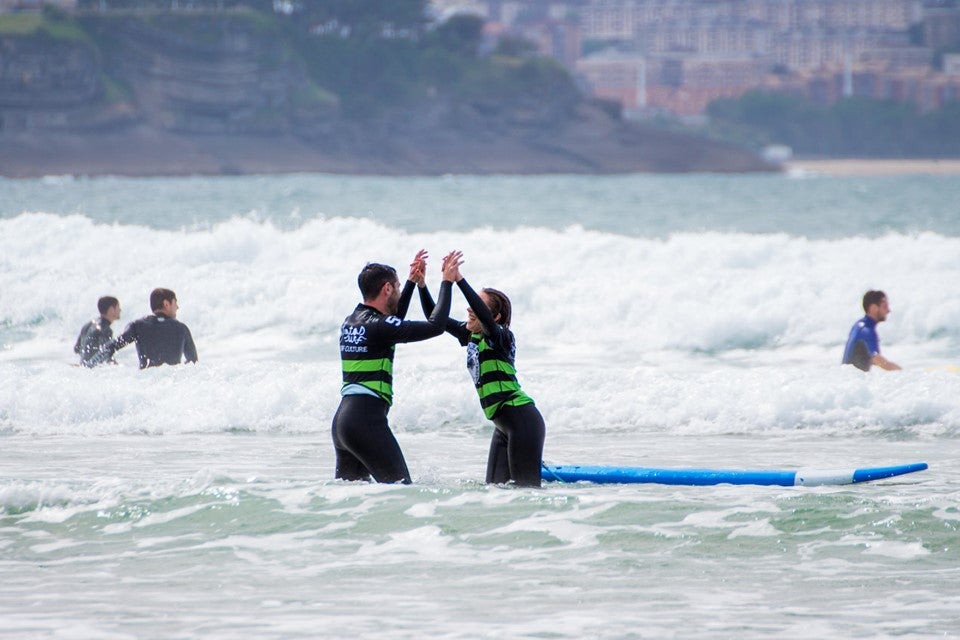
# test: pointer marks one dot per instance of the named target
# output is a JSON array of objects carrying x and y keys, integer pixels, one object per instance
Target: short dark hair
[
  {"x": 872, "y": 297},
  {"x": 499, "y": 304},
  {"x": 158, "y": 296},
  {"x": 104, "y": 304},
  {"x": 373, "y": 277}
]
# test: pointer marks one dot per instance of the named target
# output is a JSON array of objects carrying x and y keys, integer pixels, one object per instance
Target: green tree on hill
[{"x": 852, "y": 127}]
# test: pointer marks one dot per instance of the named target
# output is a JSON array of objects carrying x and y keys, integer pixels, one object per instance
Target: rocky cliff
[{"x": 214, "y": 93}]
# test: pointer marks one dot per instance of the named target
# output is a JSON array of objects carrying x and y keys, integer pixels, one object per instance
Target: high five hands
[
  {"x": 418, "y": 268},
  {"x": 450, "y": 267}
]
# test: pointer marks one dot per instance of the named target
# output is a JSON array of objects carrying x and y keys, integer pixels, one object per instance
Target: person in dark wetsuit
[
  {"x": 364, "y": 444},
  {"x": 863, "y": 344},
  {"x": 161, "y": 338},
  {"x": 516, "y": 450},
  {"x": 97, "y": 332}
]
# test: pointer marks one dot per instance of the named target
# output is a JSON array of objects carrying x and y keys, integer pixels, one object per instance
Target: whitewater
[{"x": 675, "y": 321}]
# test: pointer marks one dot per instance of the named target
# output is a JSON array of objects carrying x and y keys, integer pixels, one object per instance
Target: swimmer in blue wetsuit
[
  {"x": 516, "y": 450},
  {"x": 863, "y": 344},
  {"x": 362, "y": 439}
]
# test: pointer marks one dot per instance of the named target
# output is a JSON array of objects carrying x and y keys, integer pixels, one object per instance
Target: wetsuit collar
[
  {"x": 869, "y": 322},
  {"x": 161, "y": 315},
  {"x": 363, "y": 305}
]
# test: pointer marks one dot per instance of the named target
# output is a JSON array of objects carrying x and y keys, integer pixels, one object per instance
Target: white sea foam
[
  {"x": 711, "y": 333},
  {"x": 251, "y": 290}
]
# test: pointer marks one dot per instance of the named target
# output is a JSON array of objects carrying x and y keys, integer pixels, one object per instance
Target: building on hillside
[
  {"x": 894, "y": 58},
  {"x": 616, "y": 76},
  {"x": 941, "y": 27},
  {"x": 622, "y": 19},
  {"x": 814, "y": 48},
  {"x": 724, "y": 37},
  {"x": 927, "y": 89},
  {"x": 557, "y": 39},
  {"x": 951, "y": 64},
  {"x": 679, "y": 83},
  {"x": 685, "y": 83}
]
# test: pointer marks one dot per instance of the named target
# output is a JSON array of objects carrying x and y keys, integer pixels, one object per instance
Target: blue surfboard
[{"x": 789, "y": 478}]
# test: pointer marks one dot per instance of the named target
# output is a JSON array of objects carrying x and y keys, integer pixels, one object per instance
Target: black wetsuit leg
[
  {"x": 364, "y": 444},
  {"x": 516, "y": 451},
  {"x": 498, "y": 466}
]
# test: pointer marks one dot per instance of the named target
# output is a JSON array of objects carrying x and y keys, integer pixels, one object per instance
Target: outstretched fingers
[
  {"x": 418, "y": 268},
  {"x": 451, "y": 266}
]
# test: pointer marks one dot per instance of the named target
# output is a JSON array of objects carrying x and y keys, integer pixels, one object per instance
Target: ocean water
[{"x": 676, "y": 321}]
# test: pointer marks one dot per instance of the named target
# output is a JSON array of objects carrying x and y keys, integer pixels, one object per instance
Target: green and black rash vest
[
  {"x": 368, "y": 339},
  {"x": 490, "y": 355}
]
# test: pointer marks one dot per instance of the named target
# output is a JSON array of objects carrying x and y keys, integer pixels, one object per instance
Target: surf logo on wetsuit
[
  {"x": 473, "y": 361},
  {"x": 353, "y": 335}
]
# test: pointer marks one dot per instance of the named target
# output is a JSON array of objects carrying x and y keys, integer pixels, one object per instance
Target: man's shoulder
[
  {"x": 365, "y": 315},
  {"x": 144, "y": 320},
  {"x": 372, "y": 324}
]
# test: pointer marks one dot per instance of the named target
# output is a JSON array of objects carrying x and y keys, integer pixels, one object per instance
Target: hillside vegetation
[{"x": 347, "y": 85}]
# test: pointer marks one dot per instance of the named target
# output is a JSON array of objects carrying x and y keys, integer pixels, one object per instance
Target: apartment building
[
  {"x": 622, "y": 19},
  {"x": 696, "y": 50},
  {"x": 616, "y": 76}
]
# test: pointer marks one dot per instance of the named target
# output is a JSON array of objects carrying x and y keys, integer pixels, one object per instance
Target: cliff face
[
  {"x": 47, "y": 73},
  {"x": 215, "y": 76},
  {"x": 226, "y": 93},
  {"x": 47, "y": 83},
  {"x": 204, "y": 75}
]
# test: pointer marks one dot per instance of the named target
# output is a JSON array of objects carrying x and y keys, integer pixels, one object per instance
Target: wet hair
[
  {"x": 499, "y": 304},
  {"x": 373, "y": 277},
  {"x": 158, "y": 296},
  {"x": 104, "y": 304},
  {"x": 872, "y": 297}
]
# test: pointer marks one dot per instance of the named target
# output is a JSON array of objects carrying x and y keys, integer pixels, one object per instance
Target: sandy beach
[{"x": 861, "y": 167}]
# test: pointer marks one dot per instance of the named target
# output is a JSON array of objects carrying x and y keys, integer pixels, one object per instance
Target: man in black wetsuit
[
  {"x": 161, "y": 338},
  {"x": 364, "y": 444},
  {"x": 97, "y": 332}
]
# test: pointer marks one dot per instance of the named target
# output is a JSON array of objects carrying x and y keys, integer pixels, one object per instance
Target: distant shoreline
[
  {"x": 871, "y": 167},
  {"x": 592, "y": 143}
]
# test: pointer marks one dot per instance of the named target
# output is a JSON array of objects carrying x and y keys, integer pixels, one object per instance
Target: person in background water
[
  {"x": 516, "y": 450},
  {"x": 364, "y": 444},
  {"x": 863, "y": 345},
  {"x": 161, "y": 338},
  {"x": 97, "y": 332}
]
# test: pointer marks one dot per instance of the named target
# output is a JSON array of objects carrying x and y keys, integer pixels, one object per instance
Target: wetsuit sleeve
[
  {"x": 189, "y": 349},
  {"x": 456, "y": 328},
  {"x": 76, "y": 347},
  {"x": 393, "y": 329},
  {"x": 106, "y": 351},
  {"x": 490, "y": 326},
  {"x": 426, "y": 301},
  {"x": 405, "y": 296}
]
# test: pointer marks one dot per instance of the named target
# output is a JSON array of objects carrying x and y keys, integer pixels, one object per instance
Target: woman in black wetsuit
[{"x": 516, "y": 451}]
